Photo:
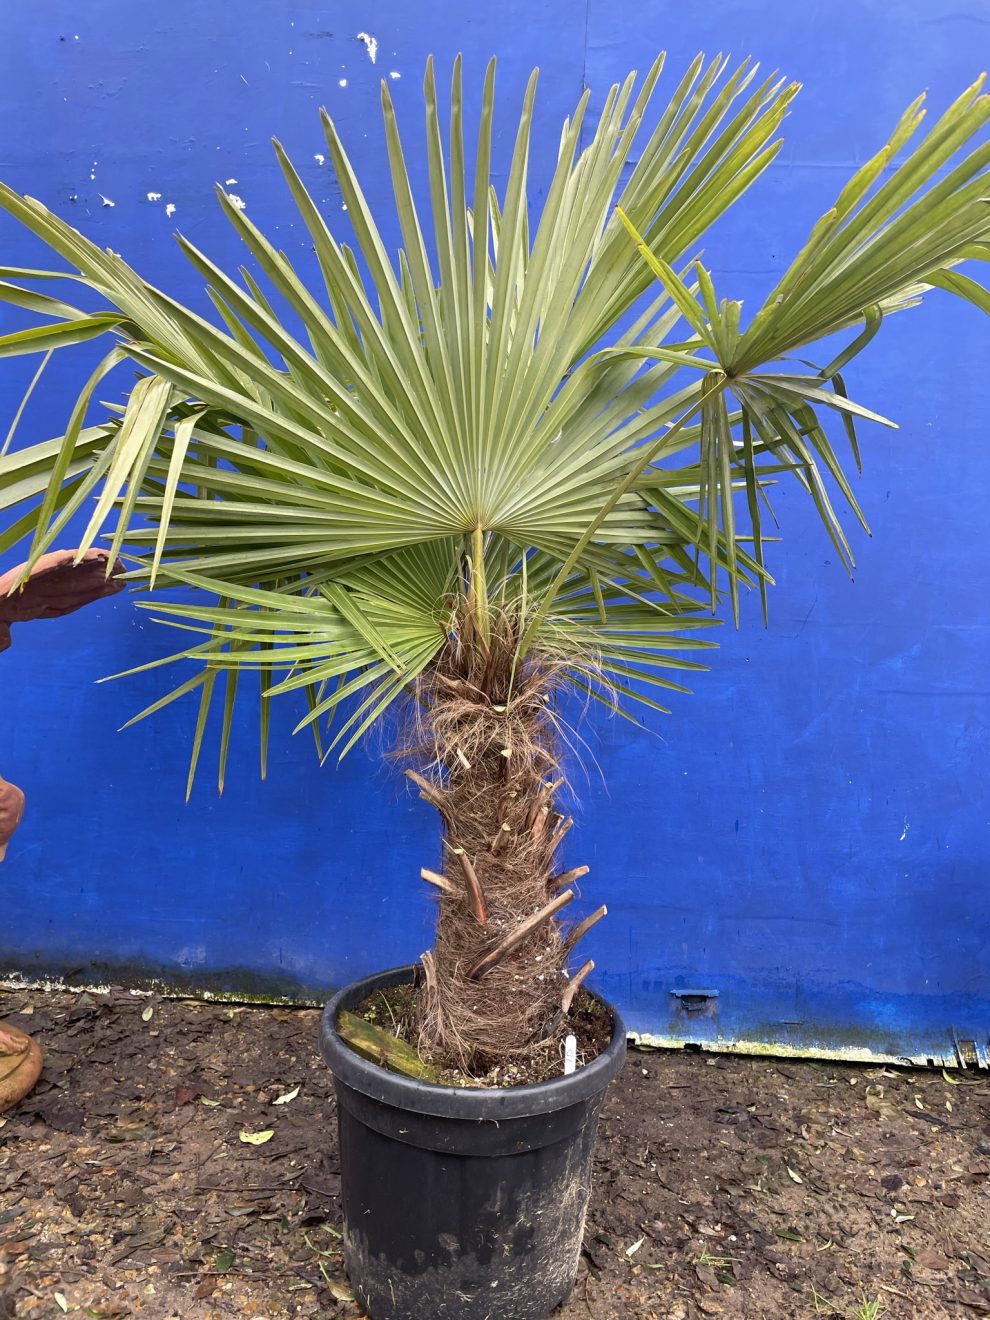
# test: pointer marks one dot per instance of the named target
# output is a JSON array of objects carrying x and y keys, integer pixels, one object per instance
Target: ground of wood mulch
[{"x": 724, "y": 1185}]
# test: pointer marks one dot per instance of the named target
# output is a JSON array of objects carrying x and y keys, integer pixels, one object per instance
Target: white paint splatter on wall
[
  {"x": 237, "y": 201},
  {"x": 154, "y": 197},
  {"x": 394, "y": 73},
  {"x": 320, "y": 160},
  {"x": 342, "y": 82},
  {"x": 170, "y": 209},
  {"x": 370, "y": 45},
  {"x": 106, "y": 200}
]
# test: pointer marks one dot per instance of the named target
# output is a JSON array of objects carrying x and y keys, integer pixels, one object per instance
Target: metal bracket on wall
[
  {"x": 970, "y": 1053},
  {"x": 698, "y": 1003},
  {"x": 695, "y": 1014}
]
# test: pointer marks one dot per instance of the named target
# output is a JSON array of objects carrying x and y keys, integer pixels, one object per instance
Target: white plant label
[{"x": 570, "y": 1055}]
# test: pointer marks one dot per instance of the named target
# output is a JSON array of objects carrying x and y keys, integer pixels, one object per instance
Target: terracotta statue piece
[
  {"x": 21, "y": 1061},
  {"x": 55, "y": 586},
  {"x": 11, "y": 811}
]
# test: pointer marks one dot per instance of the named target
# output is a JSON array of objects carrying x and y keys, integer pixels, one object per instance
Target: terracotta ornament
[
  {"x": 21, "y": 1061},
  {"x": 11, "y": 811},
  {"x": 55, "y": 586}
]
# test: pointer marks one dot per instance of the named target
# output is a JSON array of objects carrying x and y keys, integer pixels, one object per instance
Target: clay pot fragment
[
  {"x": 11, "y": 811},
  {"x": 56, "y": 586},
  {"x": 21, "y": 1061}
]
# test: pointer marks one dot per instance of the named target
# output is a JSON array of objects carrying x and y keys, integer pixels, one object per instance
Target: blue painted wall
[{"x": 808, "y": 836}]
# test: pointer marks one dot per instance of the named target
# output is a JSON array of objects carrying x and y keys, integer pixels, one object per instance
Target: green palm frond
[
  {"x": 550, "y": 412},
  {"x": 892, "y": 234}
]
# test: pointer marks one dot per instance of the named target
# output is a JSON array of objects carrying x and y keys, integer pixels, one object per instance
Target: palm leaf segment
[{"x": 502, "y": 413}]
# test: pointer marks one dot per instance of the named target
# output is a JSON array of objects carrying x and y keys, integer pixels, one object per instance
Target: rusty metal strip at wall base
[{"x": 951, "y": 1058}]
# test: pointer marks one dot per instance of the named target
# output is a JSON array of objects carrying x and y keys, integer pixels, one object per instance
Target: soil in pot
[{"x": 394, "y": 1010}]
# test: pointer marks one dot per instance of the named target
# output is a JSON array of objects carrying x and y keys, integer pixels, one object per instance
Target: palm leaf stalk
[{"x": 524, "y": 453}]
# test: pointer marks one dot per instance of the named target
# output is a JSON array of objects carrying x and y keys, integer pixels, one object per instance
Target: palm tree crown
[{"x": 497, "y": 404}]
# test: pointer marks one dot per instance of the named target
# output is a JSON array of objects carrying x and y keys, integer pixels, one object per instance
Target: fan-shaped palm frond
[{"x": 502, "y": 415}]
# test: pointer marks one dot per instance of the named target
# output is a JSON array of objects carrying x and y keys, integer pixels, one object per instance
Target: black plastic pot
[{"x": 459, "y": 1203}]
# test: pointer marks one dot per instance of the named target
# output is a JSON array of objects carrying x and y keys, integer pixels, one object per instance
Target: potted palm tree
[{"x": 523, "y": 455}]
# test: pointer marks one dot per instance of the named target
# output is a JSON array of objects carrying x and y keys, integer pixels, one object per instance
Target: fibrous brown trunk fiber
[{"x": 495, "y": 985}]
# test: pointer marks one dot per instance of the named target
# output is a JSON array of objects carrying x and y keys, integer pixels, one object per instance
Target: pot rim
[{"x": 468, "y": 1102}]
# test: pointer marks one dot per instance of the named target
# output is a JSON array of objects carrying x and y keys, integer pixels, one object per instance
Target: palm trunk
[{"x": 495, "y": 980}]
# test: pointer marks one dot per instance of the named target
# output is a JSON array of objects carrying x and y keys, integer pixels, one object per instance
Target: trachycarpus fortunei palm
[{"x": 502, "y": 462}]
